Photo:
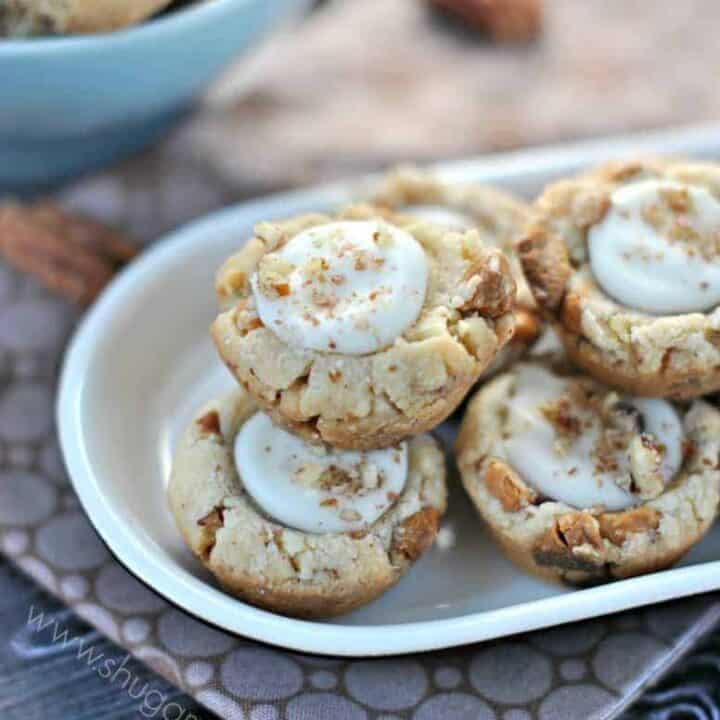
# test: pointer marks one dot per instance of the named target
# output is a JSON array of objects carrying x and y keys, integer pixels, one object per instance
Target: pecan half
[
  {"x": 69, "y": 253},
  {"x": 501, "y": 20}
]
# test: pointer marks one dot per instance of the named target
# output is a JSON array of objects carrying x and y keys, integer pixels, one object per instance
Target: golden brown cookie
[
  {"x": 625, "y": 261},
  {"x": 279, "y": 568},
  {"x": 366, "y": 354},
  {"x": 498, "y": 216},
  {"x": 581, "y": 484}
]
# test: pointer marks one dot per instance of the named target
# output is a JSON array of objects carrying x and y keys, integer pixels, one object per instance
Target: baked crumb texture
[
  {"x": 281, "y": 569},
  {"x": 498, "y": 216},
  {"x": 587, "y": 545},
  {"x": 374, "y": 400},
  {"x": 675, "y": 356}
]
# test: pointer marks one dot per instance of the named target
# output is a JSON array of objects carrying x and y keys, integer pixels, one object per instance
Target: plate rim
[{"x": 216, "y": 608}]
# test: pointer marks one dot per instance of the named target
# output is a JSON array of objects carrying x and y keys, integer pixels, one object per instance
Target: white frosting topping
[
  {"x": 441, "y": 215},
  {"x": 349, "y": 287},
  {"x": 313, "y": 488},
  {"x": 589, "y": 450},
  {"x": 657, "y": 249}
]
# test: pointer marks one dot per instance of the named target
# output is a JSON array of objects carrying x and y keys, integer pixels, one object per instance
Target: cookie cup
[
  {"x": 587, "y": 545},
  {"x": 373, "y": 400},
  {"x": 278, "y": 568},
  {"x": 498, "y": 216},
  {"x": 676, "y": 356}
]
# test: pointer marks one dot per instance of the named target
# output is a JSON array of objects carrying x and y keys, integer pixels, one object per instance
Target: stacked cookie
[
  {"x": 312, "y": 487},
  {"x": 609, "y": 467}
]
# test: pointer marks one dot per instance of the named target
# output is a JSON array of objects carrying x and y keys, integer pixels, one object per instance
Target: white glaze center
[
  {"x": 657, "y": 249},
  {"x": 570, "y": 451},
  {"x": 312, "y": 488},
  {"x": 349, "y": 287}
]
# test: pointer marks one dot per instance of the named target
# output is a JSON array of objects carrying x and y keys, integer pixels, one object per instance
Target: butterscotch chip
[
  {"x": 417, "y": 533},
  {"x": 505, "y": 484},
  {"x": 617, "y": 526},
  {"x": 279, "y": 568}
]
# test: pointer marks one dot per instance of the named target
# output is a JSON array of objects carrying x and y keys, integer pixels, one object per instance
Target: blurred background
[{"x": 361, "y": 84}]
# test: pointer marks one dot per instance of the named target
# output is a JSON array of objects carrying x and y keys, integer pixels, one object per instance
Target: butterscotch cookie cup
[
  {"x": 349, "y": 558},
  {"x": 579, "y": 484},
  {"x": 626, "y": 262},
  {"x": 363, "y": 329},
  {"x": 498, "y": 216}
]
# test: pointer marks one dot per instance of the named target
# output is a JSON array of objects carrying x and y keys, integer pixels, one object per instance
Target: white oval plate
[{"x": 142, "y": 362}]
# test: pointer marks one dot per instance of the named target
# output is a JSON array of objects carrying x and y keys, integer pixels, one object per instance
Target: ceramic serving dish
[{"x": 142, "y": 362}]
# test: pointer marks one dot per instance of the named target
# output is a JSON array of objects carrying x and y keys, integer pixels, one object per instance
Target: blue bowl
[{"x": 73, "y": 104}]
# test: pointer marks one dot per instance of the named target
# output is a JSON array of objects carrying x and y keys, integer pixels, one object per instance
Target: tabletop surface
[{"x": 40, "y": 680}]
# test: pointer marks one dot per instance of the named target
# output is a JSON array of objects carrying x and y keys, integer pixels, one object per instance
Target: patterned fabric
[{"x": 590, "y": 669}]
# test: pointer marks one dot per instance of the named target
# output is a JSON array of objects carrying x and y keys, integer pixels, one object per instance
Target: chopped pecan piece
[
  {"x": 617, "y": 526},
  {"x": 546, "y": 265},
  {"x": 572, "y": 313},
  {"x": 494, "y": 286},
  {"x": 68, "y": 253}
]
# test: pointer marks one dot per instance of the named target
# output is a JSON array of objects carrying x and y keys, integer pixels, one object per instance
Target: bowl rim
[{"x": 155, "y": 28}]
